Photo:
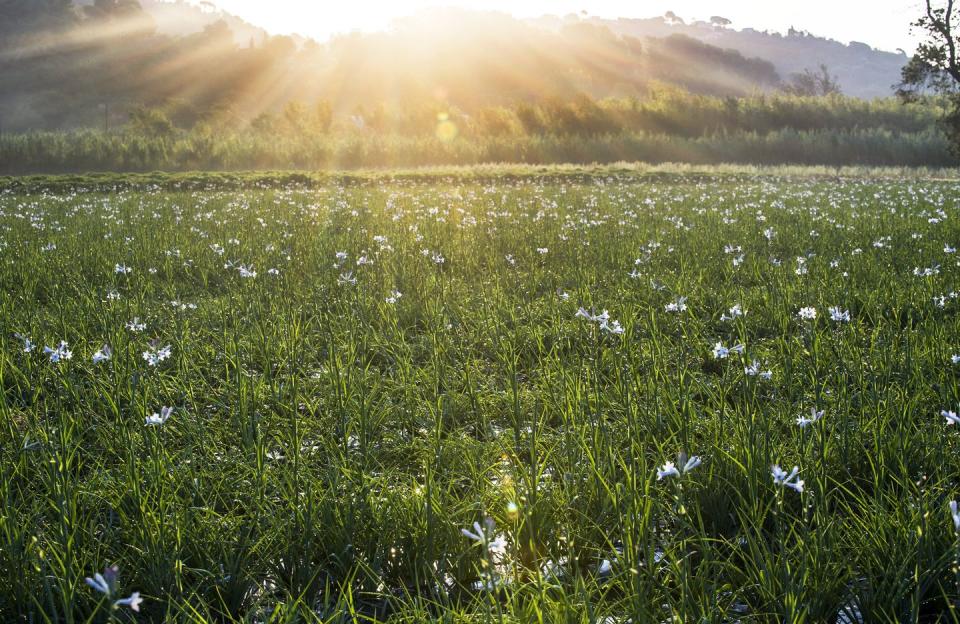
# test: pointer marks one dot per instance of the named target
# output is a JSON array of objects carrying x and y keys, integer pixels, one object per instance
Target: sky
[{"x": 883, "y": 24}]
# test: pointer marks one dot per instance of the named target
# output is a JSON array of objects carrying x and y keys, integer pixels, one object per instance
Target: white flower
[
  {"x": 273, "y": 272},
  {"x": 246, "y": 272},
  {"x": 670, "y": 470},
  {"x": 28, "y": 345},
  {"x": 133, "y": 602},
  {"x": 60, "y": 353},
  {"x": 98, "y": 583},
  {"x": 122, "y": 269},
  {"x": 954, "y": 359},
  {"x": 346, "y": 278},
  {"x": 542, "y": 250},
  {"x": 754, "y": 371},
  {"x": 838, "y": 315},
  {"x": 104, "y": 583},
  {"x": 735, "y": 312},
  {"x": 603, "y": 319},
  {"x": 394, "y": 297},
  {"x": 613, "y": 327},
  {"x": 950, "y": 416},
  {"x": 680, "y": 305},
  {"x": 482, "y": 535},
  {"x": 720, "y": 352},
  {"x": 156, "y": 419},
  {"x": 804, "y": 421},
  {"x": 154, "y": 357},
  {"x": 791, "y": 480},
  {"x": 956, "y": 516},
  {"x": 135, "y": 325},
  {"x": 103, "y": 354},
  {"x": 692, "y": 463},
  {"x": 438, "y": 258},
  {"x": 807, "y": 313}
]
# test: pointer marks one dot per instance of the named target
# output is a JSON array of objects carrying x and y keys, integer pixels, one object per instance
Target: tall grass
[
  {"x": 85, "y": 151},
  {"x": 327, "y": 445}
]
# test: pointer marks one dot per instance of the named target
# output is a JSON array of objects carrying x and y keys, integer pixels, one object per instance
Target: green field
[{"x": 360, "y": 367}]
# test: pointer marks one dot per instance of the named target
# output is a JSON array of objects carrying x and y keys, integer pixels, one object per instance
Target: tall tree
[{"x": 935, "y": 68}]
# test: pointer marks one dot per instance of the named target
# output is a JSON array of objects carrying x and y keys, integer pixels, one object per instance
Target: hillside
[
  {"x": 67, "y": 65},
  {"x": 862, "y": 71}
]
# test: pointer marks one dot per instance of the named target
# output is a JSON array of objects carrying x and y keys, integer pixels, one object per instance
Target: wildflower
[
  {"x": 670, "y": 470},
  {"x": 28, "y": 345},
  {"x": 950, "y": 416},
  {"x": 680, "y": 305},
  {"x": 753, "y": 370},
  {"x": 927, "y": 272},
  {"x": 273, "y": 272},
  {"x": 438, "y": 259},
  {"x": 735, "y": 312},
  {"x": 720, "y": 352},
  {"x": 135, "y": 325},
  {"x": 156, "y": 419},
  {"x": 246, "y": 272},
  {"x": 394, "y": 297},
  {"x": 956, "y": 516},
  {"x": 104, "y": 354},
  {"x": 839, "y": 316},
  {"x": 155, "y": 356},
  {"x": 105, "y": 582},
  {"x": 954, "y": 359},
  {"x": 61, "y": 352},
  {"x": 133, "y": 602},
  {"x": 804, "y": 421},
  {"x": 807, "y": 313},
  {"x": 613, "y": 327},
  {"x": 542, "y": 251},
  {"x": 481, "y": 535},
  {"x": 346, "y": 278},
  {"x": 121, "y": 269},
  {"x": 790, "y": 480}
]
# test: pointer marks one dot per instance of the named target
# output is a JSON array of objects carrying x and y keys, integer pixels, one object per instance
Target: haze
[{"x": 883, "y": 24}]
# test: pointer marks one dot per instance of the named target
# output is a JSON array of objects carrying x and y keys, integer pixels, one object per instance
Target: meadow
[{"x": 554, "y": 396}]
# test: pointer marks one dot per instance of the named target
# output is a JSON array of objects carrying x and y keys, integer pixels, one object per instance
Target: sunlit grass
[{"x": 339, "y": 419}]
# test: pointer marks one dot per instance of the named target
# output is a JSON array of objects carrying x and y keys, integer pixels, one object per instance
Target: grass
[{"x": 327, "y": 445}]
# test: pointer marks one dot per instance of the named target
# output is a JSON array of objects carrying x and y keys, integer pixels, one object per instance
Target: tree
[
  {"x": 935, "y": 68},
  {"x": 720, "y": 22},
  {"x": 812, "y": 83},
  {"x": 673, "y": 19}
]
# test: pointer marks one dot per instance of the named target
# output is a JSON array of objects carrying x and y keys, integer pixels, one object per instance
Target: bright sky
[{"x": 883, "y": 24}]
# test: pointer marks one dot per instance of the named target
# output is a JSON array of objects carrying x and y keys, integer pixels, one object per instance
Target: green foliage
[
  {"x": 330, "y": 437},
  {"x": 668, "y": 126}
]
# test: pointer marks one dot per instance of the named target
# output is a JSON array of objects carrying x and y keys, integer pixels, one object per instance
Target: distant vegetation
[
  {"x": 667, "y": 126},
  {"x": 101, "y": 87}
]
